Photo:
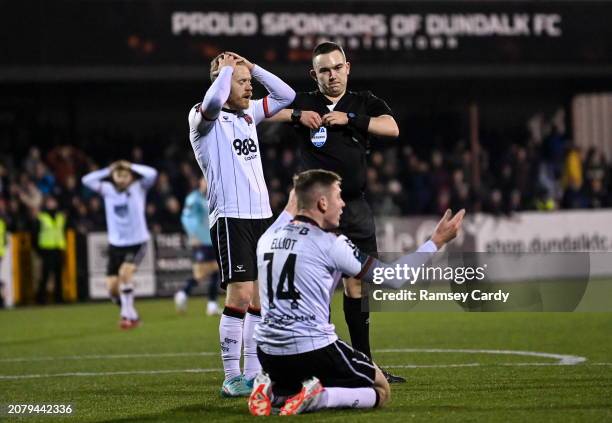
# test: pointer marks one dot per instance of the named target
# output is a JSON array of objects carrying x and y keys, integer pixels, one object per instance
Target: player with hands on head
[
  {"x": 223, "y": 135},
  {"x": 124, "y": 204}
]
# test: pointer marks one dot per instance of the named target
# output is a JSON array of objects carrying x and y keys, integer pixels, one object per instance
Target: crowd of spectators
[{"x": 546, "y": 171}]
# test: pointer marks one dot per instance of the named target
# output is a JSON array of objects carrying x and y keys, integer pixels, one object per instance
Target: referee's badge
[{"x": 318, "y": 137}]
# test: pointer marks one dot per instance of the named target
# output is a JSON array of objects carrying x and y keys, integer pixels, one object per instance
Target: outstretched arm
[{"x": 350, "y": 261}]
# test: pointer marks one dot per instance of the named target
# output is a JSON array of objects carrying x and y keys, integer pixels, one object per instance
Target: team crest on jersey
[
  {"x": 121, "y": 210},
  {"x": 318, "y": 137}
]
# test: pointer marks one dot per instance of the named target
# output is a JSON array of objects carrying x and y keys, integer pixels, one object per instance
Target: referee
[{"x": 333, "y": 127}]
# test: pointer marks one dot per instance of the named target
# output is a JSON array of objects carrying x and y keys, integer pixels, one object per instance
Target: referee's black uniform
[{"x": 342, "y": 149}]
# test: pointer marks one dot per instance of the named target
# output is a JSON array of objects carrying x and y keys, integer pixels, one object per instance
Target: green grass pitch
[{"x": 169, "y": 370}]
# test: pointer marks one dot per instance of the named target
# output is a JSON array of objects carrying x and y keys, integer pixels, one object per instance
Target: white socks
[
  {"x": 251, "y": 362},
  {"x": 127, "y": 302},
  {"x": 346, "y": 398},
  {"x": 230, "y": 335}
]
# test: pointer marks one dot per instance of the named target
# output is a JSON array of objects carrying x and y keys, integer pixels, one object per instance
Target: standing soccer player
[
  {"x": 334, "y": 126},
  {"x": 224, "y": 140},
  {"x": 195, "y": 222},
  {"x": 301, "y": 260},
  {"x": 124, "y": 203}
]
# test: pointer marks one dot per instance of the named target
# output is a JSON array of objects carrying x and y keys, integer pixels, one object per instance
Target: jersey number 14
[{"x": 287, "y": 274}]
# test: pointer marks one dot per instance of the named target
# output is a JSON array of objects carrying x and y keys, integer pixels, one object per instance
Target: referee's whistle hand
[
  {"x": 311, "y": 120},
  {"x": 335, "y": 118}
]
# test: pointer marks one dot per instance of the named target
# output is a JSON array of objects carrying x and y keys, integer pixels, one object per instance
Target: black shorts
[
  {"x": 357, "y": 223},
  {"x": 128, "y": 254},
  {"x": 235, "y": 246},
  {"x": 337, "y": 365},
  {"x": 202, "y": 253}
]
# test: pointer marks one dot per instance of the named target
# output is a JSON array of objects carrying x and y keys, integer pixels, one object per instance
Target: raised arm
[
  {"x": 281, "y": 95},
  {"x": 446, "y": 230},
  {"x": 93, "y": 180},
  {"x": 148, "y": 174},
  {"x": 349, "y": 260},
  {"x": 218, "y": 93}
]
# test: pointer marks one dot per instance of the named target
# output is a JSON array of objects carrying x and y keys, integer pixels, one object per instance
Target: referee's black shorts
[
  {"x": 235, "y": 245},
  {"x": 357, "y": 223},
  {"x": 337, "y": 365}
]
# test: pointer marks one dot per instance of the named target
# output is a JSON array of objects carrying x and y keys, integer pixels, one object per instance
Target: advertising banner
[{"x": 149, "y": 38}]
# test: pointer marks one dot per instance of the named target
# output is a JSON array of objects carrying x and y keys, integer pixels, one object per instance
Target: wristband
[
  {"x": 359, "y": 122},
  {"x": 296, "y": 115}
]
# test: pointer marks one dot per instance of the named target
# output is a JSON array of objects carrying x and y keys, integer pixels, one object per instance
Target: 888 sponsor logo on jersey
[{"x": 244, "y": 147}]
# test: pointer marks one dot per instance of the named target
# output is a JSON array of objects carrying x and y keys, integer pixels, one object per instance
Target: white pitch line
[
  {"x": 131, "y": 372},
  {"x": 211, "y": 370},
  {"x": 428, "y": 366},
  {"x": 106, "y": 356},
  {"x": 563, "y": 359}
]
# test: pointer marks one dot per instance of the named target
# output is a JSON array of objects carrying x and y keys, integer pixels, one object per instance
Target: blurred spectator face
[
  {"x": 137, "y": 155},
  {"x": 151, "y": 209},
  {"x": 2, "y": 206},
  {"x": 82, "y": 210},
  {"x": 14, "y": 206},
  {"x": 496, "y": 197},
  {"x": 331, "y": 71},
  {"x": 443, "y": 199},
  {"x": 163, "y": 182},
  {"x": 71, "y": 183},
  {"x": 515, "y": 199},
  {"x": 506, "y": 171},
  {"x": 40, "y": 170},
  {"x": 173, "y": 205},
  {"x": 34, "y": 153},
  {"x": 94, "y": 204},
  {"x": 458, "y": 177},
  {"x": 50, "y": 203},
  {"x": 521, "y": 155},
  {"x": 186, "y": 169},
  {"x": 122, "y": 178},
  {"x": 275, "y": 184},
  {"x": 596, "y": 185},
  {"x": 203, "y": 185},
  {"x": 394, "y": 187},
  {"x": 287, "y": 159},
  {"x": 436, "y": 159},
  {"x": 377, "y": 159}
]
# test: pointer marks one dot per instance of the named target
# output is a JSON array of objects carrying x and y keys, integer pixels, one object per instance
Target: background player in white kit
[
  {"x": 224, "y": 140},
  {"x": 300, "y": 263},
  {"x": 124, "y": 202},
  {"x": 194, "y": 219}
]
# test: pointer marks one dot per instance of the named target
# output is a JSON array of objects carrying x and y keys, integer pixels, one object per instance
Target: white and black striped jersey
[
  {"x": 227, "y": 148},
  {"x": 125, "y": 210},
  {"x": 299, "y": 266}
]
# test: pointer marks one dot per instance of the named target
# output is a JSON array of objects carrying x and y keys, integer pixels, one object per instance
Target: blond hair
[{"x": 214, "y": 66}]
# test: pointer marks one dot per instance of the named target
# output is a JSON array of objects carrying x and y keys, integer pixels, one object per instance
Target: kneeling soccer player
[
  {"x": 305, "y": 366},
  {"x": 124, "y": 203}
]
